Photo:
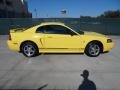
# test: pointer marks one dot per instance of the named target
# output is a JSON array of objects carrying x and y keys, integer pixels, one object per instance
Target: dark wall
[
  {"x": 105, "y": 26},
  {"x": 10, "y": 14}
]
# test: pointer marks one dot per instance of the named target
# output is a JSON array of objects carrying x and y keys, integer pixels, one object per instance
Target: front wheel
[
  {"x": 29, "y": 49},
  {"x": 93, "y": 49}
]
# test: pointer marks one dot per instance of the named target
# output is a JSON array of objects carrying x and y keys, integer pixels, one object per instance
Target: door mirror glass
[{"x": 71, "y": 33}]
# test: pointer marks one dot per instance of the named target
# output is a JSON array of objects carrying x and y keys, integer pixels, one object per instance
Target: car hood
[{"x": 93, "y": 34}]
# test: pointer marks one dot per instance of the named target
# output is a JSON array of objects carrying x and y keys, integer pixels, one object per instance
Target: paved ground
[{"x": 58, "y": 71}]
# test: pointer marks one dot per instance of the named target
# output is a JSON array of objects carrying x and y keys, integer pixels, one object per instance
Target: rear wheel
[
  {"x": 29, "y": 49},
  {"x": 93, "y": 49}
]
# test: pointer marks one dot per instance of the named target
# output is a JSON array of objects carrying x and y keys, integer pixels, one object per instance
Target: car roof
[
  {"x": 45, "y": 23},
  {"x": 52, "y": 23}
]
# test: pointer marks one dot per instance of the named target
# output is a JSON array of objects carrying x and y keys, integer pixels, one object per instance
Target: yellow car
[{"x": 55, "y": 37}]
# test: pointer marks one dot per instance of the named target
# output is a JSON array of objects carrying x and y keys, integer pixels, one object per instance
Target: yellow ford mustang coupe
[{"x": 55, "y": 37}]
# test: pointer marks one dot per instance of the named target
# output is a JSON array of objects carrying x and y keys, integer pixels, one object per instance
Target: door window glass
[{"x": 54, "y": 29}]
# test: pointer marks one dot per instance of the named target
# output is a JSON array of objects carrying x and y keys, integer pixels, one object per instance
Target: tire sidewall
[
  {"x": 35, "y": 47},
  {"x": 87, "y": 49}
]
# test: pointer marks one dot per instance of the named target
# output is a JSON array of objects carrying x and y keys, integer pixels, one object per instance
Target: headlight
[{"x": 109, "y": 40}]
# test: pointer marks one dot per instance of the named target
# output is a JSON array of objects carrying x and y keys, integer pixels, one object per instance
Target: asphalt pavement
[{"x": 59, "y": 71}]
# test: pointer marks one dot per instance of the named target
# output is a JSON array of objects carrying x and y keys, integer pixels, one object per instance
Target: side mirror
[{"x": 72, "y": 34}]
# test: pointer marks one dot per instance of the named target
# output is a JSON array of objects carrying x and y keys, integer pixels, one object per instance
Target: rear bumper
[{"x": 12, "y": 45}]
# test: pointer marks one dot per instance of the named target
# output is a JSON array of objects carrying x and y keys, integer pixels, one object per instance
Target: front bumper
[{"x": 108, "y": 46}]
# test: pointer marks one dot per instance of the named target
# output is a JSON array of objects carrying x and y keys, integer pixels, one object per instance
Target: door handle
[{"x": 49, "y": 37}]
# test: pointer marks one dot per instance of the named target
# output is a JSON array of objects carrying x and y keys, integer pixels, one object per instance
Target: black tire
[
  {"x": 29, "y": 49},
  {"x": 91, "y": 50}
]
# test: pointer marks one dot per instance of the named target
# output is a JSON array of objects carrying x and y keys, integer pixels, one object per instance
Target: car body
[{"x": 56, "y": 37}]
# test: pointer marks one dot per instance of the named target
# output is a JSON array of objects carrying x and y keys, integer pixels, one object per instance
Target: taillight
[{"x": 9, "y": 37}]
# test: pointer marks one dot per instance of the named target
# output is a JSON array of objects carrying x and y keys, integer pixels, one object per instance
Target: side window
[
  {"x": 49, "y": 29},
  {"x": 40, "y": 29},
  {"x": 54, "y": 29}
]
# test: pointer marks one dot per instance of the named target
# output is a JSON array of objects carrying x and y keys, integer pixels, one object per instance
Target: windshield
[{"x": 76, "y": 29}]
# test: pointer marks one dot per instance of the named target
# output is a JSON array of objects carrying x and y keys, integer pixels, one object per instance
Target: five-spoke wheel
[
  {"x": 93, "y": 49},
  {"x": 29, "y": 49}
]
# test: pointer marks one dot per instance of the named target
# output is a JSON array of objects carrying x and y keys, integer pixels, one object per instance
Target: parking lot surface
[{"x": 58, "y": 71}]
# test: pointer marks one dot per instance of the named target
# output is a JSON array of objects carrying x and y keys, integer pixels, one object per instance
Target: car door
[{"x": 60, "y": 37}]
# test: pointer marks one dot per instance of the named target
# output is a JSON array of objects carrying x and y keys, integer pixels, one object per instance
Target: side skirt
[{"x": 62, "y": 50}]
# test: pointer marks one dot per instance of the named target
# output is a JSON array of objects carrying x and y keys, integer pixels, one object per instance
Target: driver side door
[{"x": 60, "y": 37}]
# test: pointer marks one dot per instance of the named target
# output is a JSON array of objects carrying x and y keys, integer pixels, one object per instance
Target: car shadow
[{"x": 60, "y": 54}]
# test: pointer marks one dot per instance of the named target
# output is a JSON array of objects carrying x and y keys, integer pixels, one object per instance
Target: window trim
[{"x": 68, "y": 31}]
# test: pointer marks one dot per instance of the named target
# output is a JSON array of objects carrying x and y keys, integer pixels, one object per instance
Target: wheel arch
[
  {"x": 98, "y": 42},
  {"x": 22, "y": 43}
]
